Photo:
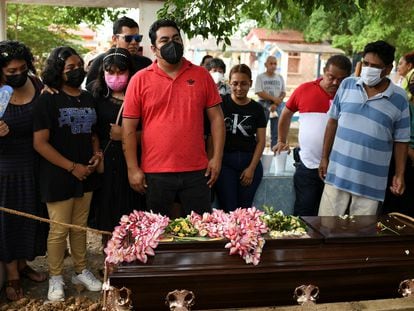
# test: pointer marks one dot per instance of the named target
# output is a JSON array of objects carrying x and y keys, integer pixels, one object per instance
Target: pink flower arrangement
[
  {"x": 243, "y": 227},
  {"x": 136, "y": 237},
  {"x": 210, "y": 224},
  {"x": 139, "y": 233}
]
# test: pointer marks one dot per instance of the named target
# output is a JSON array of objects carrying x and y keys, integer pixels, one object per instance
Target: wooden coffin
[{"x": 348, "y": 259}]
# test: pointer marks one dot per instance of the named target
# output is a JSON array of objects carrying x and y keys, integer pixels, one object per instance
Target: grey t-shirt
[{"x": 273, "y": 85}]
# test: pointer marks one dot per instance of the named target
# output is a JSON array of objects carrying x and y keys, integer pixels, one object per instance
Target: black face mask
[
  {"x": 16, "y": 81},
  {"x": 75, "y": 77},
  {"x": 172, "y": 52}
]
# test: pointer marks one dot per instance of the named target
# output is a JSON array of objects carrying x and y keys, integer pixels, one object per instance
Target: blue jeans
[
  {"x": 308, "y": 189},
  {"x": 230, "y": 193},
  {"x": 274, "y": 122}
]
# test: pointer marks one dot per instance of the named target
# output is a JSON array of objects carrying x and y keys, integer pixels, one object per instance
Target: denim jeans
[
  {"x": 274, "y": 122},
  {"x": 308, "y": 190},
  {"x": 230, "y": 193}
]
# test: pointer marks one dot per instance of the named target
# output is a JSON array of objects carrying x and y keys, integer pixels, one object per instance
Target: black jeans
[
  {"x": 308, "y": 189},
  {"x": 190, "y": 188}
]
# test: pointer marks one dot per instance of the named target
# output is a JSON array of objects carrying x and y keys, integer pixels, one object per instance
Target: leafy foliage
[
  {"x": 347, "y": 24},
  {"x": 277, "y": 221},
  {"x": 43, "y": 28},
  {"x": 181, "y": 227},
  {"x": 222, "y": 18}
]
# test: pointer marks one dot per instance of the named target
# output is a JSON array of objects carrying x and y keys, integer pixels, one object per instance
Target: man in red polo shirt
[
  {"x": 169, "y": 99},
  {"x": 312, "y": 100}
]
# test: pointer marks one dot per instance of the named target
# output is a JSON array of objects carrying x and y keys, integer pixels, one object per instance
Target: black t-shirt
[
  {"x": 138, "y": 63},
  {"x": 241, "y": 124},
  {"x": 71, "y": 122}
]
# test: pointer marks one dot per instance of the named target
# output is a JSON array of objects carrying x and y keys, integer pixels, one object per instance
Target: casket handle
[
  {"x": 406, "y": 288},
  {"x": 180, "y": 300},
  {"x": 306, "y": 294}
]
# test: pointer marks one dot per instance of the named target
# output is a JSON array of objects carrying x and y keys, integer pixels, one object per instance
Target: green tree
[
  {"x": 347, "y": 24},
  {"x": 222, "y": 18},
  {"x": 391, "y": 21},
  {"x": 43, "y": 28}
]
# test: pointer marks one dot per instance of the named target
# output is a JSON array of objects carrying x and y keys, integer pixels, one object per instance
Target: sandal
[
  {"x": 14, "y": 290},
  {"x": 33, "y": 275}
]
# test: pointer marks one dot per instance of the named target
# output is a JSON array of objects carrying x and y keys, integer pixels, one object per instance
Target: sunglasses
[{"x": 128, "y": 38}]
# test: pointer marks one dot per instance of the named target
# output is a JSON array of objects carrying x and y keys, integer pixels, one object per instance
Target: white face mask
[
  {"x": 217, "y": 77},
  {"x": 371, "y": 76}
]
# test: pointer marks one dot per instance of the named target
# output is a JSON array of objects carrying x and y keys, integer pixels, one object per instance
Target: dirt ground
[{"x": 76, "y": 298}]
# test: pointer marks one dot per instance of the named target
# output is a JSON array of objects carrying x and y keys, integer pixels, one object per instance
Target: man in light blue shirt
[{"x": 369, "y": 118}]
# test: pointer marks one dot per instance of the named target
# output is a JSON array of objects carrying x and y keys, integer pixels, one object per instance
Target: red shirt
[
  {"x": 313, "y": 103},
  {"x": 309, "y": 97},
  {"x": 172, "y": 116}
]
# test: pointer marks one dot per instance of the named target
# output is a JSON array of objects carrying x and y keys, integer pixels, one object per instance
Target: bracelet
[
  {"x": 72, "y": 167},
  {"x": 99, "y": 152}
]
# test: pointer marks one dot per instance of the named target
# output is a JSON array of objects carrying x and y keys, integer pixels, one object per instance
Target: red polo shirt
[{"x": 172, "y": 116}]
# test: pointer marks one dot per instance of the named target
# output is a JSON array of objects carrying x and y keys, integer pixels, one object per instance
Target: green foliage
[
  {"x": 347, "y": 24},
  {"x": 277, "y": 221},
  {"x": 181, "y": 227},
  {"x": 222, "y": 18},
  {"x": 91, "y": 16},
  {"x": 43, "y": 28},
  {"x": 379, "y": 20}
]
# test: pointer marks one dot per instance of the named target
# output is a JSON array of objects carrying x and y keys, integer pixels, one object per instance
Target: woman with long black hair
[
  {"x": 64, "y": 135},
  {"x": 115, "y": 197},
  {"x": 21, "y": 239}
]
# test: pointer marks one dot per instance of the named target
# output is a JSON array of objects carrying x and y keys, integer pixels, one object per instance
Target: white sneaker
[
  {"x": 56, "y": 292},
  {"x": 87, "y": 279}
]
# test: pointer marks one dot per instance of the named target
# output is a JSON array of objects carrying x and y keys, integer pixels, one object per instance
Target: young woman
[
  {"x": 21, "y": 239},
  {"x": 245, "y": 122},
  {"x": 405, "y": 202},
  {"x": 65, "y": 138},
  {"x": 115, "y": 197}
]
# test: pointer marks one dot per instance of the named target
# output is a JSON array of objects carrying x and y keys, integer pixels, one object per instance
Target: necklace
[
  {"x": 117, "y": 100},
  {"x": 72, "y": 98}
]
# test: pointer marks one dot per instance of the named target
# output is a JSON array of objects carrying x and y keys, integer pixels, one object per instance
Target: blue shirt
[{"x": 366, "y": 132}]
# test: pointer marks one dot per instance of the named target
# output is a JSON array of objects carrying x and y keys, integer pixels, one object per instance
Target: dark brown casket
[{"x": 348, "y": 259}]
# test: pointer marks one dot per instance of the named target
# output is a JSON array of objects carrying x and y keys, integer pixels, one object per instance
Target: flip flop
[
  {"x": 33, "y": 275},
  {"x": 14, "y": 290}
]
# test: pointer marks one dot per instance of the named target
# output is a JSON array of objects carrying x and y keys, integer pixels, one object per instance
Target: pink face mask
[{"x": 116, "y": 83}]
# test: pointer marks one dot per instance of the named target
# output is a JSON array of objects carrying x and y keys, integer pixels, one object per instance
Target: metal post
[{"x": 3, "y": 20}]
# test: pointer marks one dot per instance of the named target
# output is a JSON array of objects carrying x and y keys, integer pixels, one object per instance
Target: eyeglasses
[
  {"x": 241, "y": 84},
  {"x": 128, "y": 38}
]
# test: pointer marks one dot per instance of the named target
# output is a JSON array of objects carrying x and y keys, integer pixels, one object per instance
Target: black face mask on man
[
  {"x": 172, "y": 52},
  {"x": 16, "y": 81},
  {"x": 75, "y": 77}
]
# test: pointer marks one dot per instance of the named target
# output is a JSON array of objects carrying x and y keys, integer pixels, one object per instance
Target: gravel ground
[{"x": 76, "y": 298}]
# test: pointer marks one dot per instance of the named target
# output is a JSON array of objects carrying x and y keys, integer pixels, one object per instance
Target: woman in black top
[
  {"x": 21, "y": 238},
  {"x": 64, "y": 135},
  {"x": 245, "y": 122},
  {"x": 115, "y": 197}
]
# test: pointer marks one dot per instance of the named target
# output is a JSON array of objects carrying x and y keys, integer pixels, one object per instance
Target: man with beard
[
  {"x": 169, "y": 99},
  {"x": 312, "y": 100}
]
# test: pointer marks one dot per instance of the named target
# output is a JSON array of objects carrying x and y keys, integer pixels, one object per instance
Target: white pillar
[
  {"x": 3, "y": 21},
  {"x": 147, "y": 15}
]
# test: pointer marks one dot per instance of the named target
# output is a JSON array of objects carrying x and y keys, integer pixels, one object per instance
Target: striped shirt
[{"x": 367, "y": 129}]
